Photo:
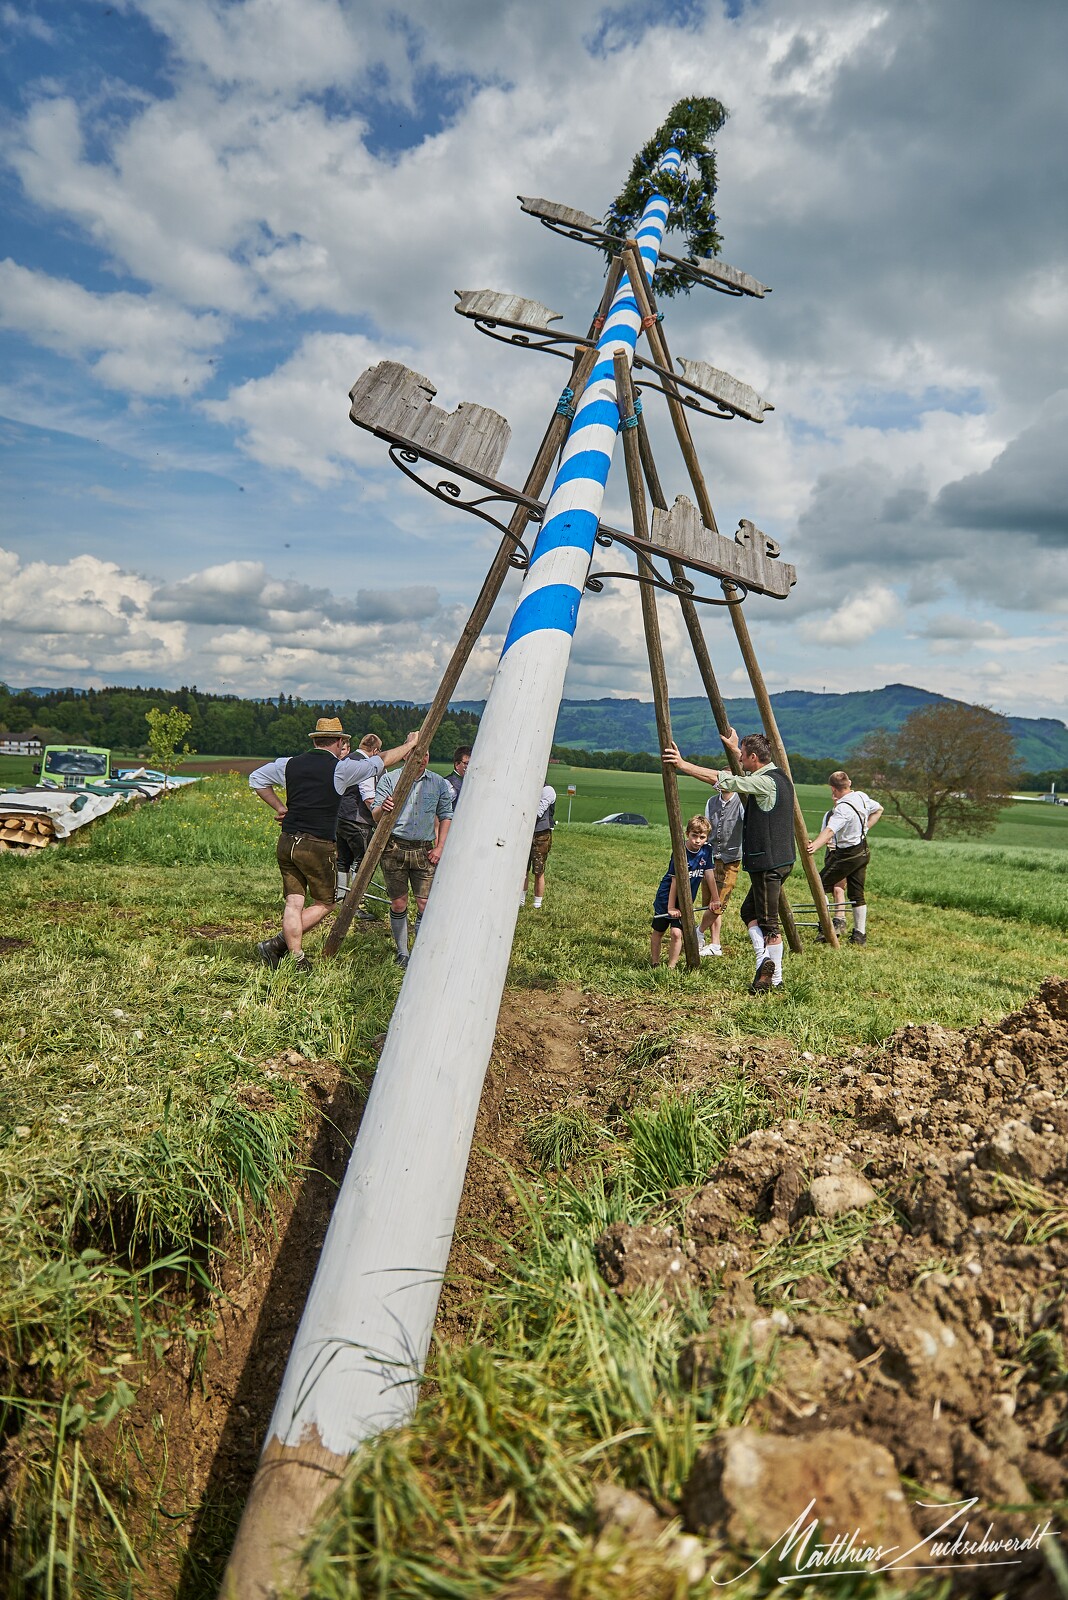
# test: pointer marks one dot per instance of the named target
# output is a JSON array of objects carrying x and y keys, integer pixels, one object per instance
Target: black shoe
[
  {"x": 400, "y": 961},
  {"x": 764, "y": 975},
  {"x": 271, "y": 951},
  {"x": 858, "y": 938},
  {"x": 302, "y": 961}
]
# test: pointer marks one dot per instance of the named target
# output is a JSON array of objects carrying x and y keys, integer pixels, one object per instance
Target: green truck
[{"x": 73, "y": 766}]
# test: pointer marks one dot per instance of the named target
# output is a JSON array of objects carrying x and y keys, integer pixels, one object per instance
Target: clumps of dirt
[
  {"x": 910, "y": 1250},
  {"x": 9, "y": 943}
]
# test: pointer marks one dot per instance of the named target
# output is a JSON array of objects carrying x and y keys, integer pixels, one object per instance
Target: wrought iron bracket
[
  {"x": 528, "y": 339},
  {"x": 666, "y": 383},
  {"x": 649, "y": 573},
  {"x": 405, "y": 454},
  {"x": 767, "y": 576},
  {"x": 730, "y": 397}
]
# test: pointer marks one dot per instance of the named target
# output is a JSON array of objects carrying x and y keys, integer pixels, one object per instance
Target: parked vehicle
[
  {"x": 629, "y": 819},
  {"x": 71, "y": 766}
]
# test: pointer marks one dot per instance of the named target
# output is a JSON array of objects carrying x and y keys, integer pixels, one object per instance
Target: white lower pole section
[{"x": 358, "y": 1355}]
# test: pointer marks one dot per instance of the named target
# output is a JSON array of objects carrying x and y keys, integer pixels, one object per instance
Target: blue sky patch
[{"x": 899, "y": 411}]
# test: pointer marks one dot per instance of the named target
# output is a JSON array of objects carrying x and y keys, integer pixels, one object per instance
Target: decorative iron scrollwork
[
  {"x": 674, "y": 391},
  {"x": 649, "y": 573},
  {"x": 549, "y": 342},
  {"x": 406, "y": 457}
]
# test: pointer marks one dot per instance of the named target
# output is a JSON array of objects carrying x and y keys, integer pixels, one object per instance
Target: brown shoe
[{"x": 764, "y": 975}]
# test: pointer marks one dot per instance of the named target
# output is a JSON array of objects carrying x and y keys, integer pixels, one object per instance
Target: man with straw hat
[{"x": 307, "y": 851}]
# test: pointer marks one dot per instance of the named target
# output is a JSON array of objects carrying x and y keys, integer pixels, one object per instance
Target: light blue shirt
[{"x": 430, "y": 799}]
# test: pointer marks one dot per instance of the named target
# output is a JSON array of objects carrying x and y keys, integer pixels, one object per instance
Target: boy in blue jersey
[{"x": 667, "y": 913}]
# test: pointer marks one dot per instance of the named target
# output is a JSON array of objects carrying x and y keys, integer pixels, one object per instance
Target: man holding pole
[
  {"x": 355, "y": 824},
  {"x": 414, "y": 849},
  {"x": 768, "y": 850}
]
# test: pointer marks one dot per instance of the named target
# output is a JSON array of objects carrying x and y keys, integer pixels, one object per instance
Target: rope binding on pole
[
  {"x": 565, "y": 406},
  {"x": 632, "y": 420}
]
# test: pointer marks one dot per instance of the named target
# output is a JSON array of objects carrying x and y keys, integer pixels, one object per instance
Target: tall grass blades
[
  {"x": 566, "y": 1386},
  {"x": 674, "y": 1145},
  {"x": 218, "y": 821},
  {"x": 1023, "y": 885}
]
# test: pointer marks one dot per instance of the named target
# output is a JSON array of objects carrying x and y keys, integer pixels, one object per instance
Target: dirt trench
[{"x": 941, "y": 1337}]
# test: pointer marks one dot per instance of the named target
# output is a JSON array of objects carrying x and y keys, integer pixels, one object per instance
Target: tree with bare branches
[{"x": 947, "y": 768}]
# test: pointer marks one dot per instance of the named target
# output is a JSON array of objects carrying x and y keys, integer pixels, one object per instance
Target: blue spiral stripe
[
  {"x": 555, "y": 606},
  {"x": 604, "y": 413},
  {"x": 568, "y": 529}
]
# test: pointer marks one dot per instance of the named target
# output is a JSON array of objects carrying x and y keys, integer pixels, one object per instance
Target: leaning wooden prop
[{"x": 357, "y": 1359}]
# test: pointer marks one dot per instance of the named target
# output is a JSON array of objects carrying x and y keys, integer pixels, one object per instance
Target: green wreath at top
[{"x": 690, "y": 195}]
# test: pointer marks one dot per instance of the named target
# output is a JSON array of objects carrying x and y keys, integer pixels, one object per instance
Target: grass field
[{"x": 144, "y": 1131}]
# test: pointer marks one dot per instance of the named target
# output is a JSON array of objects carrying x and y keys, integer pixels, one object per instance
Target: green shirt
[{"x": 759, "y": 783}]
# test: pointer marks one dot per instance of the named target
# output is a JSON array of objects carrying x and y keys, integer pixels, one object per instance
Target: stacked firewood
[{"x": 21, "y": 831}]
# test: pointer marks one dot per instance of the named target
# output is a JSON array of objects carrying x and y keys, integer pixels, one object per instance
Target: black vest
[
  {"x": 312, "y": 802},
  {"x": 547, "y": 821},
  {"x": 354, "y": 808},
  {"x": 768, "y": 836}
]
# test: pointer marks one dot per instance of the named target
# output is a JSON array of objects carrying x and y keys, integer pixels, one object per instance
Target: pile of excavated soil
[{"x": 941, "y": 1333}]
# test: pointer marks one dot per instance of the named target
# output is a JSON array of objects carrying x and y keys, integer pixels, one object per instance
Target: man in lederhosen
[
  {"x": 768, "y": 850},
  {"x": 420, "y": 829},
  {"x": 307, "y": 849},
  {"x": 845, "y": 833}
]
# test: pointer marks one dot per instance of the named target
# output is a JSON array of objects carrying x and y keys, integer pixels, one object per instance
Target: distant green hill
[{"x": 824, "y": 726}]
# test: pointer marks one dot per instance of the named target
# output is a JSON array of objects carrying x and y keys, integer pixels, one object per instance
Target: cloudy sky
[{"x": 219, "y": 212}]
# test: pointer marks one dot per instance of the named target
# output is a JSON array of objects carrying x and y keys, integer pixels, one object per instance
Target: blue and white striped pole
[{"x": 358, "y": 1356}]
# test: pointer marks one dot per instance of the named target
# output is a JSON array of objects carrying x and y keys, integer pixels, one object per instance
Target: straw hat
[{"x": 329, "y": 728}]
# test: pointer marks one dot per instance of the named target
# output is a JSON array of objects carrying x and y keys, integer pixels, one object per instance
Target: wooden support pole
[
  {"x": 612, "y": 277},
  {"x": 555, "y": 434},
  {"x": 662, "y": 355},
  {"x": 657, "y": 670},
  {"x": 689, "y": 608}
]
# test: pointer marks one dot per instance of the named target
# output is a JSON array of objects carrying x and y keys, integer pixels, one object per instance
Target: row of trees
[{"x": 218, "y": 724}]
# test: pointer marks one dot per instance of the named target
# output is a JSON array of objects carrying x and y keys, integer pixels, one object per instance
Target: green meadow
[{"x": 146, "y": 1136}]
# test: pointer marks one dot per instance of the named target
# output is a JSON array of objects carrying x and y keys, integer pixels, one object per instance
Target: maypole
[{"x": 356, "y": 1362}]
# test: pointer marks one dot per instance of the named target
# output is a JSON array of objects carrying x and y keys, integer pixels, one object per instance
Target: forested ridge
[{"x": 221, "y": 724}]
